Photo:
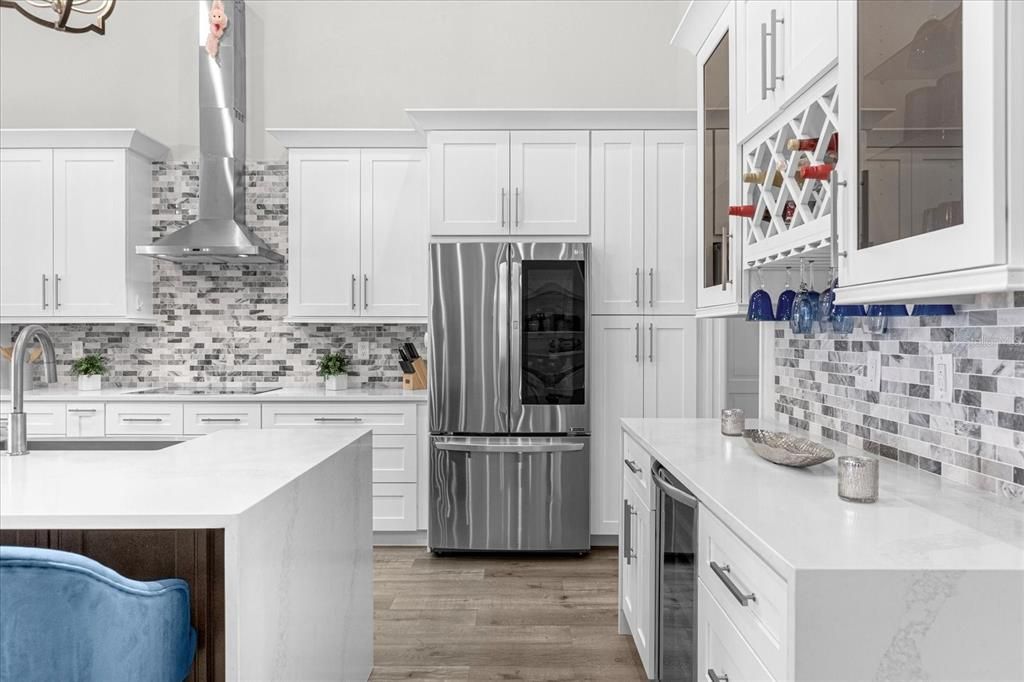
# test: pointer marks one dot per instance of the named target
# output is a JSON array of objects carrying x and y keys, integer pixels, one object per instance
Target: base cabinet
[{"x": 636, "y": 570}]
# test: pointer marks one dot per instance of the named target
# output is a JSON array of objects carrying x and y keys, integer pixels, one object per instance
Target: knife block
[{"x": 417, "y": 381}]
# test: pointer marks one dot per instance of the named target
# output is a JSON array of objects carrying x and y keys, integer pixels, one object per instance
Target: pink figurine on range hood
[{"x": 218, "y": 24}]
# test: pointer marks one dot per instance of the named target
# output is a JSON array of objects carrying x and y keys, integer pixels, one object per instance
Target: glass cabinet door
[{"x": 919, "y": 169}]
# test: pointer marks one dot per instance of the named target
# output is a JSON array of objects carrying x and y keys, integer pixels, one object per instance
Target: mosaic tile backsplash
[
  {"x": 222, "y": 323},
  {"x": 977, "y": 439}
]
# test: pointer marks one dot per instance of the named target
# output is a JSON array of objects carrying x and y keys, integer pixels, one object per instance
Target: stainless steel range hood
[{"x": 220, "y": 235}]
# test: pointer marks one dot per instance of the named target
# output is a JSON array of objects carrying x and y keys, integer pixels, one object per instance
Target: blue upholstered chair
[{"x": 65, "y": 617}]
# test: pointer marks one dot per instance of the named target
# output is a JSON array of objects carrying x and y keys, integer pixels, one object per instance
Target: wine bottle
[
  {"x": 832, "y": 150},
  {"x": 821, "y": 171},
  {"x": 757, "y": 178},
  {"x": 788, "y": 211},
  {"x": 742, "y": 211},
  {"x": 802, "y": 144}
]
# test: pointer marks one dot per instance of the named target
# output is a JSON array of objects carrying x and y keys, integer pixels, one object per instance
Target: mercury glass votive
[
  {"x": 732, "y": 422},
  {"x": 858, "y": 479}
]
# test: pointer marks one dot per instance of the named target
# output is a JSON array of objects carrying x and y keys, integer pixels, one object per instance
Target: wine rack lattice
[{"x": 778, "y": 231}]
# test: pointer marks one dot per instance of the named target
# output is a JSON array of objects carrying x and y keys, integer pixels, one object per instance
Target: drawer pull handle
[
  {"x": 346, "y": 420},
  {"x": 715, "y": 677},
  {"x": 82, "y": 410},
  {"x": 633, "y": 466},
  {"x": 220, "y": 420},
  {"x": 723, "y": 574},
  {"x": 146, "y": 420}
]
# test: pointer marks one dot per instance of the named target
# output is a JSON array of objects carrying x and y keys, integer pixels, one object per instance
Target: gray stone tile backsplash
[
  {"x": 219, "y": 323},
  {"x": 977, "y": 439}
]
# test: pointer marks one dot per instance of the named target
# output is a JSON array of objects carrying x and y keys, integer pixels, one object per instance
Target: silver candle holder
[
  {"x": 858, "y": 479},
  {"x": 733, "y": 422}
]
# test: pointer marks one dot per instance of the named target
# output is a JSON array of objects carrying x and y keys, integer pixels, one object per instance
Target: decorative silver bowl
[{"x": 787, "y": 449}]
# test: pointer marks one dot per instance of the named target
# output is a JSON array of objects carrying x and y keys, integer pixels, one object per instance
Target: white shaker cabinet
[
  {"x": 357, "y": 234},
  {"x": 26, "y": 232},
  {"x": 549, "y": 182},
  {"x": 469, "y": 183}
]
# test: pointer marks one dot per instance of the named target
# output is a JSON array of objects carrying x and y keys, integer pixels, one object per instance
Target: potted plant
[
  {"x": 333, "y": 367},
  {"x": 89, "y": 370}
]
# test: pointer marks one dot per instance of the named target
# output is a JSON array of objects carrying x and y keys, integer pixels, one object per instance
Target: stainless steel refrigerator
[{"x": 509, "y": 398}]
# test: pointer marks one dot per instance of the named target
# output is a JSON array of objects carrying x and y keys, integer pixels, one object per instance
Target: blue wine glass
[
  {"x": 844, "y": 318},
  {"x": 785, "y": 304},
  {"x": 877, "y": 320},
  {"x": 932, "y": 310},
  {"x": 759, "y": 309}
]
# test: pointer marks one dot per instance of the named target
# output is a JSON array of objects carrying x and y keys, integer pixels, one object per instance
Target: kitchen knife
[
  {"x": 404, "y": 354},
  {"x": 410, "y": 349},
  {"x": 406, "y": 366}
]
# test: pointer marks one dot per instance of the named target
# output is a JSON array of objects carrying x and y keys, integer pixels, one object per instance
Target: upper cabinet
[
  {"x": 529, "y": 183},
  {"x": 74, "y": 206},
  {"x": 357, "y": 234},
  {"x": 643, "y": 209}
]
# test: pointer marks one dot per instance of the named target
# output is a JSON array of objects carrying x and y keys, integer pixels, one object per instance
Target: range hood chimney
[{"x": 220, "y": 235}]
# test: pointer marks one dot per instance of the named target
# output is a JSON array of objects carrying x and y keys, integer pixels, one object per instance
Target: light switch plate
[
  {"x": 77, "y": 349},
  {"x": 942, "y": 369},
  {"x": 363, "y": 350},
  {"x": 873, "y": 374}
]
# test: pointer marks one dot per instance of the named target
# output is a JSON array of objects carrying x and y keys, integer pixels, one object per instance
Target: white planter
[
  {"x": 92, "y": 382},
  {"x": 338, "y": 382}
]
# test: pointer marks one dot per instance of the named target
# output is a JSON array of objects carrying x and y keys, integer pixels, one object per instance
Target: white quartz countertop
[
  {"x": 311, "y": 393},
  {"x": 203, "y": 483},
  {"x": 795, "y": 520}
]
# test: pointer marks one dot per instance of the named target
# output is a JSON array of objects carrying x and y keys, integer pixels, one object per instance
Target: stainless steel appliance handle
[
  {"x": 723, "y": 574},
  {"x": 835, "y": 184},
  {"x": 636, "y": 353},
  {"x": 515, "y": 341},
  {"x": 637, "y": 300},
  {"x": 633, "y": 466},
  {"x": 353, "y": 292},
  {"x": 627, "y": 534},
  {"x": 82, "y": 410},
  {"x": 502, "y": 379},
  {"x": 366, "y": 292},
  {"x": 715, "y": 677},
  {"x": 455, "y": 446},
  {"x": 650, "y": 342},
  {"x": 44, "y": 290},
  {"x": 503, "y": 207},
  {"x": 56, "y": 292},
  {"x": 220, "y": 420},
  {"x": 144, "y": 420},
  {"x": 775, "y": 21},
  {"x": 343, "y": 420},
  {"x": 764, "y": 59},
  {"x": 650, "y": 292},
  {"x": 674, "y": 492}
]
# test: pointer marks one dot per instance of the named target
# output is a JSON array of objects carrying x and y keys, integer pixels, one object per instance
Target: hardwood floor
[{"x": 508, "y": 617}]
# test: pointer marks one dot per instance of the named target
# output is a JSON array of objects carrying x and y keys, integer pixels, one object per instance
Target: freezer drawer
[{"x": 509, "y": 493}]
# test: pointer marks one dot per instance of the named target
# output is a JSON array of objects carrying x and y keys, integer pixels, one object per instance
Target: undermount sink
[{"x": 94, "y": 444}]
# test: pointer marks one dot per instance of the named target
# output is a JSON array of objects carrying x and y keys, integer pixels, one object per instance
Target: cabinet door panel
[
  {"x": 617, "y": 391},
  {"x": 469, "y": 183},
  {"x": 323, "y": 233},
  {"x": 394, "y": 232},
  {"x": 644, "y": 626},
  {"x": 617, "y": 209},
  {"x": 670, "y": 370},
  {"x": 550, "y": 176},
  {"x": 670, "y": 222},
  {"x": 89, "y": 254},
  {"x": 755, "y": 100},
  {"x": 26, "y": 232},
  {"x": 810, "y": 36}
]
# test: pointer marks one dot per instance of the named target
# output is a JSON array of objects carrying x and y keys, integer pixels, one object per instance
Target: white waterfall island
[{"x": 272, "y": 529}]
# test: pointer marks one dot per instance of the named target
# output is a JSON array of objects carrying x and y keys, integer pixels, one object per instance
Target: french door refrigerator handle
[
  {"x": 514, "y": 343},
  {"x": 455, "y": 446}
]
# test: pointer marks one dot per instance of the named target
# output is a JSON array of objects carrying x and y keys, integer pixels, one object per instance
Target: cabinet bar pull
[
  {"x": 636, "y": 354},
  {"x": 775, "y": 21},
  {"x": 146, "y": 420},
  {"x": 715, "y": 677},
  {"x": 220, "y": 420},
  {"x": 56, "y": 292},
  {"x": 346, "y": 420},
  {"x": 834, "y": 223},
  {"x": 353, "y": 292},
  {"x": 650, "y": 342},
  {"x": 82, "y": 410},
  {"x": 44, "y": 290},
  {"x": 366, "y": 292},
  {"x": 637, "y": 299},
  {"x": 633, "y": 466},
  {"x": 764, "y": 59},
  {"x": 517, "y": 207},
  {"x": 725, "y": 260},
  {"x": 650, "y": 292},
  {"x": 627, "y": 539},
  {"x": 503, "y": 207},
  {"x": 723, "y": 574}
]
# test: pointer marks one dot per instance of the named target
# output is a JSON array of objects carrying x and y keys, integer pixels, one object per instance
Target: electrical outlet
[
  {"x": 77, "y": 349},
  {"x": 873, "y": 374},
  {"x": 942, "y": 369},
  {"x": 363, "y": 350}
]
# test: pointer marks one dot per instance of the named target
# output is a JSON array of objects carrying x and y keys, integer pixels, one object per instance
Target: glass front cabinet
[{"x": 927, "y": 93}]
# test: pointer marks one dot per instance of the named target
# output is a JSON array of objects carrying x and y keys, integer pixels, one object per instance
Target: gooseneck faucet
[{"x": 17, "y": 433}]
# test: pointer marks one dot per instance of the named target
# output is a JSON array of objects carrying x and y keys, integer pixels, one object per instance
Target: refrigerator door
[
  {"x": 468, "y": 330},
  {"x": 508, "y": 493},
  {"x": 548, "y": 312}
]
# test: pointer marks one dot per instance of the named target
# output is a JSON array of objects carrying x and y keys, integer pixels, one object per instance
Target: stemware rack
[{"x": 791, "y": 218}]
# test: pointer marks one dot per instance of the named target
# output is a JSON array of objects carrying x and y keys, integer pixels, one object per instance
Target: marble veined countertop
[
  {"x": 203, "y": 483},
  {"x": 311, "y": 393},
  {"x": 795, "y": 520}
]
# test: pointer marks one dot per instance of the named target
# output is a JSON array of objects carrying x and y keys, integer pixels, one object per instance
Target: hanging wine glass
[
  {"x": 826, "y": 302},
  {"x": 785, "y": 305},
  {"x": 804, "y": 308},
  {"x": 812, "y": 293},
  {"x": 844, "y": 318},
  {"x": 760, "y": 307}
]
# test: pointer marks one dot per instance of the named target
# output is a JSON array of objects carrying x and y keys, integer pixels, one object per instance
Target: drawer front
[
  {"x": 42, "y": 419},
  {"x": 86, "y": 420},
  {"x": 762, "y": 620},
  {"x": 394, "y": 459},
  {"x": 201, "y": 418},
  {"x": 721, "y": 650},
  {"x": 636, "y": 469},
  {"x": 144, "y": 419},
  {"x": 394, "y": 506},
  {"x": 383, "y": 418}
]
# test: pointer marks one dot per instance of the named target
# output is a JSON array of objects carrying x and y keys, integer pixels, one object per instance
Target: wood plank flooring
[{"x": 508, "y": 617}]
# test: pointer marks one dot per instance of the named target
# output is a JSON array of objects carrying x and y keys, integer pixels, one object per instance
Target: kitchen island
[
  {"x": 794, "y": 583},
  {"x": 276, "y": 524}
]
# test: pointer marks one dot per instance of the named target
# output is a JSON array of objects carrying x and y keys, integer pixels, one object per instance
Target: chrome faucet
[{"x": 17, "y": 433}]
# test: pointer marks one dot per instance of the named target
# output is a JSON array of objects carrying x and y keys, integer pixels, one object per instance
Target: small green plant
[
  {"x": 332, "y": 364},
  {"x": 89, "y": 365}
]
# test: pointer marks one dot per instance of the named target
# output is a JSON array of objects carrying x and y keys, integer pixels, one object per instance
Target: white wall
[{"x": 345, "y": 64}]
